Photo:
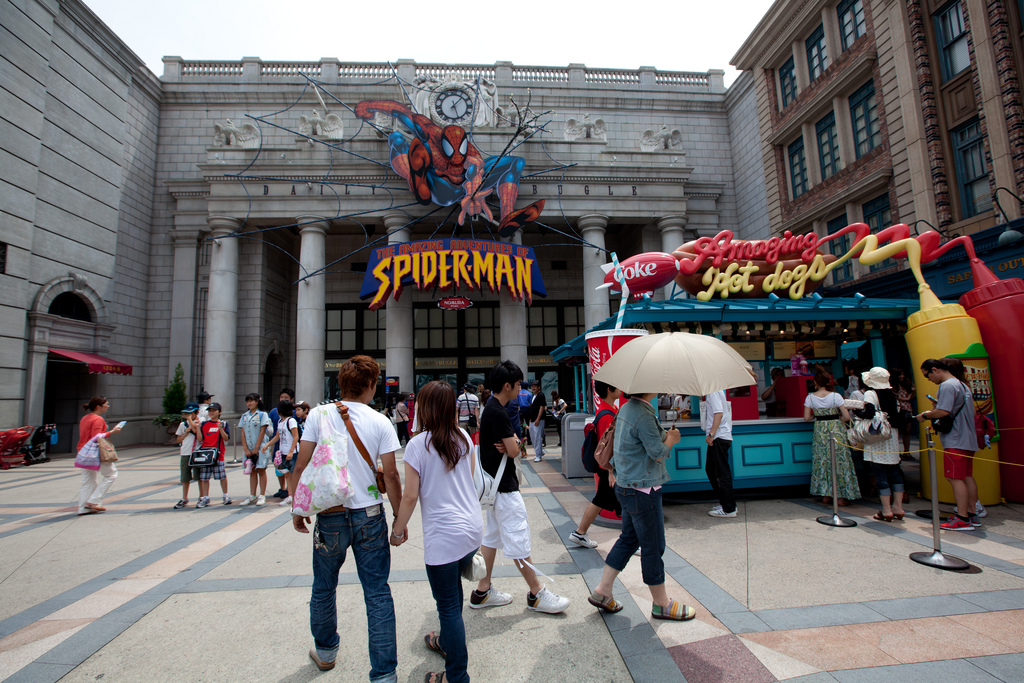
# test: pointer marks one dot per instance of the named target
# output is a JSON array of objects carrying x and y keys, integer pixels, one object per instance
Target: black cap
[
  {"x": 468, "y": 386},
  {"x": 535, "y": 382},
  {"x": 214, "y": 406},
  {"x": 204, "y": 396}
]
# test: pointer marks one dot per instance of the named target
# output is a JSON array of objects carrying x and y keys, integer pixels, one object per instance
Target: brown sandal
[
  {"x": 438, "y": 677},
  {"x": 433, "y": 641},
  {"x": 884, "y": 518}
]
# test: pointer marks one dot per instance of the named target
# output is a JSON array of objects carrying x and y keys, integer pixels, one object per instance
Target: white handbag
[
  {"x": 475, "y": 570},
  {"x": 486, "y": 485}
]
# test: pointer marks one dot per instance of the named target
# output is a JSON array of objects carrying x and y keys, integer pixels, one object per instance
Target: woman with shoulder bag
[
  {"x": 439, "y": 474},
  {"x": 884, "y": 456},
  {"x": 91, "y": 429}
]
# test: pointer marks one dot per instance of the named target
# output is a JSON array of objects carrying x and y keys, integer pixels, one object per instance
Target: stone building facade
[
  {"x": 145, "y": 225},
  {"x": 886, "y": 112}
]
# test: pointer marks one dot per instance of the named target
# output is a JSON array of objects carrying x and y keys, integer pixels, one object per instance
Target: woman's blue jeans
[
  {"x": 366, "y": 532},
  {"x": 643, "y": 526},
  {"x": 446, "y": 585},
  {"x": 888, "y": 478}
]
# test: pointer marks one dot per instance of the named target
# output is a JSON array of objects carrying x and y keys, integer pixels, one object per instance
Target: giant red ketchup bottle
[{"x": 998, "y": 306}]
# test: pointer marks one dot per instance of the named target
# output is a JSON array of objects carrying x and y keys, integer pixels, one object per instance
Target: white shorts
[{"x": 507, "y": 528}]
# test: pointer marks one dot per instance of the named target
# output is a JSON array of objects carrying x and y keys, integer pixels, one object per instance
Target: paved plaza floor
[{"x": 147, "y": 593}]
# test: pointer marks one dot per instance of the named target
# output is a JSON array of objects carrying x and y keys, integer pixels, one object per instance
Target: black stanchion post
[
  {"x": 835, "y": 519},
  {"x": 936, "y": 558}
]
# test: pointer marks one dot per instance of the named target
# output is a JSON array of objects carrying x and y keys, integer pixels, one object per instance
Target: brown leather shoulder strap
[{"x": 343, "y": 410}]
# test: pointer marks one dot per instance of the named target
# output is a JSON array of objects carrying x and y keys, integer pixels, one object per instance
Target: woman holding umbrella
[{"x": 641, "y": 447}]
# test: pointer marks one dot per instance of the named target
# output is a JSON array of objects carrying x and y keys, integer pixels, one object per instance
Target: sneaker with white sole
[
  {"x": 261, "y": 500},
  {"x": 180, "y": 504},
  {"x": 717, "y": 507},
  {"x": 248, "y": 500},
  {"x": 547, "y": 602},
  {"x": 227, "y": 499},
  {"x": 719, "y": 512},
  {"x": 954, "y": 523},
  {"x": 537, "y": 458},
  {"x": 286, "y": 503},
  {"x": 492, "y": 598},
  {"x": 975, "y": 520},
  {"x": 203, "y": 502},
  {"x": 582, "y": 540},
  {"x": 979, "y": 509}
]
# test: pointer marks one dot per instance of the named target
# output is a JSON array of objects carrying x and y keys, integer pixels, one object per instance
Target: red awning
[{"x": 97, "y": 364}]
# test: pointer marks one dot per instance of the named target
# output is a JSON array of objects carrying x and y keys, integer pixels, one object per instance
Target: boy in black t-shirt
[{"x": 507, "y": 526}]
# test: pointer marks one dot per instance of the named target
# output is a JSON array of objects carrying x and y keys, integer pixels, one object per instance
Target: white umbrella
[{"x": 676, "y": 363}]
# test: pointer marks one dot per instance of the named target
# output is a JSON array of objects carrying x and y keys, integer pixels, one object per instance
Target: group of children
[{"x": 266, "y": 437}]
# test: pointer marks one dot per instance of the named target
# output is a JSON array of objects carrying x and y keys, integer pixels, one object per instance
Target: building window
[
  {"x": 356, "y": 330},
  {"x": 878, "y": 217},
  {"x": 851, "y": 21},
  {"x": 549, "y": 326},
  {"x": 971, "y": 169},
  {"x": 3, "y": 258},
  {"x": 838, "y": 247},
  {"x": 828, "y": 145},
  {"x": 864, "y": 114},
  {"x": 483, "y": 327},
  {"x": 787, "y": 82},
  {"x": 797, "y": 168},
  {"x": 817, "y": 54},
  {"x": 952, "y": 37},
  {"x": 434, "y": 328}
]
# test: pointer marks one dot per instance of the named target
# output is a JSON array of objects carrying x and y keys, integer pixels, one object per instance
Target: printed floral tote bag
[{"x": 325, "y": 482}]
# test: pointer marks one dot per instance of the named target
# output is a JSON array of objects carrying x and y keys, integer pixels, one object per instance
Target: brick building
[{"x": 887, "y": 112}]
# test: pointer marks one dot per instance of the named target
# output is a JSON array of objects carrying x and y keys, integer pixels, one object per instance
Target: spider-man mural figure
[{"x": 442, "y": 166}]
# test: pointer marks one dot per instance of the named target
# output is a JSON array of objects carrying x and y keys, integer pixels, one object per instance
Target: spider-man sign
[{"x": 442, "y": 166}]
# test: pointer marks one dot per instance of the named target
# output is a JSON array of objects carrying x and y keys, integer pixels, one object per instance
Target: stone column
[
  {"x": 398, "y": 316},
  {"x": 513, "y": 325},
  {"x": 311, "y": 327},
  {"x": 35, "y": 381},
  {"x": 595, "y": 301},
  {"x": 673, "y": 235},
  {"x": 183, "y": 296},
  {"x": 222, "y": 314}
]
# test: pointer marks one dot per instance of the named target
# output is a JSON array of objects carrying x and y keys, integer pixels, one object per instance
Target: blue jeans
[
  {"x": 367, "y": 535},
  {"x": 446, "y": 585},
  {"x": 889, "y": 478},
  {"x": 643, "y": 526}
]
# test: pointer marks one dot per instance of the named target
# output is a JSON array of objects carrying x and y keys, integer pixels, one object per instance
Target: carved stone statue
[
  {"x": 230, "y": 135},
  {"x": 330, "y": 126},
  {"x": 663, "y": 139},
  {"x": 586, "y": 129}
]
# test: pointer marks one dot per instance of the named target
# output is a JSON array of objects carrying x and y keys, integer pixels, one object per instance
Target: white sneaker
[
  {"x": 547, "y": 602},
  {"x": 537, "y": 458},
  {"x": 582, "y": 540},
  {"x": 717, "y": 507},
  {"x": 261, "y": 500},
  {"x": 492, "y": 598},
  {"x": 248, "y": 500},
  {"x": 287, "y": 502},
  {"x": 979, "y": 509},
  {"x": 719, "y": 512}
]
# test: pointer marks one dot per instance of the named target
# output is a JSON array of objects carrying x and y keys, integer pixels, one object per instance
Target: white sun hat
[{"x": 877, "y": 378}]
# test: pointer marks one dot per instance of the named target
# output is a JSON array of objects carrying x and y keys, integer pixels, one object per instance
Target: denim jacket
[{"x": 639, "y": 446}]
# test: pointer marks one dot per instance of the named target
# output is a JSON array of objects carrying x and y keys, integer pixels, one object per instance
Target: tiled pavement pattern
[{"x": 144, "y": 592}]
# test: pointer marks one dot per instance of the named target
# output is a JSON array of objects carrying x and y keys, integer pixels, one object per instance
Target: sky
[{"x": 673, "y": 36}]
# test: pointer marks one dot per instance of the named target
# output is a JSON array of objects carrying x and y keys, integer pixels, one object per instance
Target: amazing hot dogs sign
[{"x": 452, "y": 264}]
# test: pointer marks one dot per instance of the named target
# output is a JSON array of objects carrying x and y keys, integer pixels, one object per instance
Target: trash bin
[{"x": 573, "y": 425}]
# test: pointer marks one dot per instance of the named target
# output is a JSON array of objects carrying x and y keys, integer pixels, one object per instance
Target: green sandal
[
  {"x": 607, "y": 604},
  {"x": 675, "y": 611}
]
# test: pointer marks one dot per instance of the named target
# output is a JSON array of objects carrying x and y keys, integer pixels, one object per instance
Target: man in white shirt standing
[
  {"x": 717, "y": 423},
  {"x": 360, "y": 524},
  {"x": 468, "y": 407}
]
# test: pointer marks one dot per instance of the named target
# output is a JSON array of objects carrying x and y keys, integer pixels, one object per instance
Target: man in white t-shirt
[
  {"x": 361, "y": 523},
  {"x": 716, "y": 419}
]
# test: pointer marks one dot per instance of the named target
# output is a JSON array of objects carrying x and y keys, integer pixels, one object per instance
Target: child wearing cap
[
  {"x": 188, "y": 428},
  {"x": 212, "y": 435}
]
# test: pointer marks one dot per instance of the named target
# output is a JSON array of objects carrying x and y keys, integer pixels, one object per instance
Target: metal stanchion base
[
  {"x": 935, "y": 558},
  {"x": 925, "y": 514},
  {"x": 836, "y": 520}
]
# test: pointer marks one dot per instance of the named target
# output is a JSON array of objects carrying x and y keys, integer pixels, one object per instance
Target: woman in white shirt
[{"x": 439, "y": 474}]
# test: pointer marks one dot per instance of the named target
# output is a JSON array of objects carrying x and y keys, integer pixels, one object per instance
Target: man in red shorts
[{"x": 955, "y": 398}]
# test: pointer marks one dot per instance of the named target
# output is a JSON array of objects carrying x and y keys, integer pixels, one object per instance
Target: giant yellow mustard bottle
[{"x": 940, "y": 330}]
